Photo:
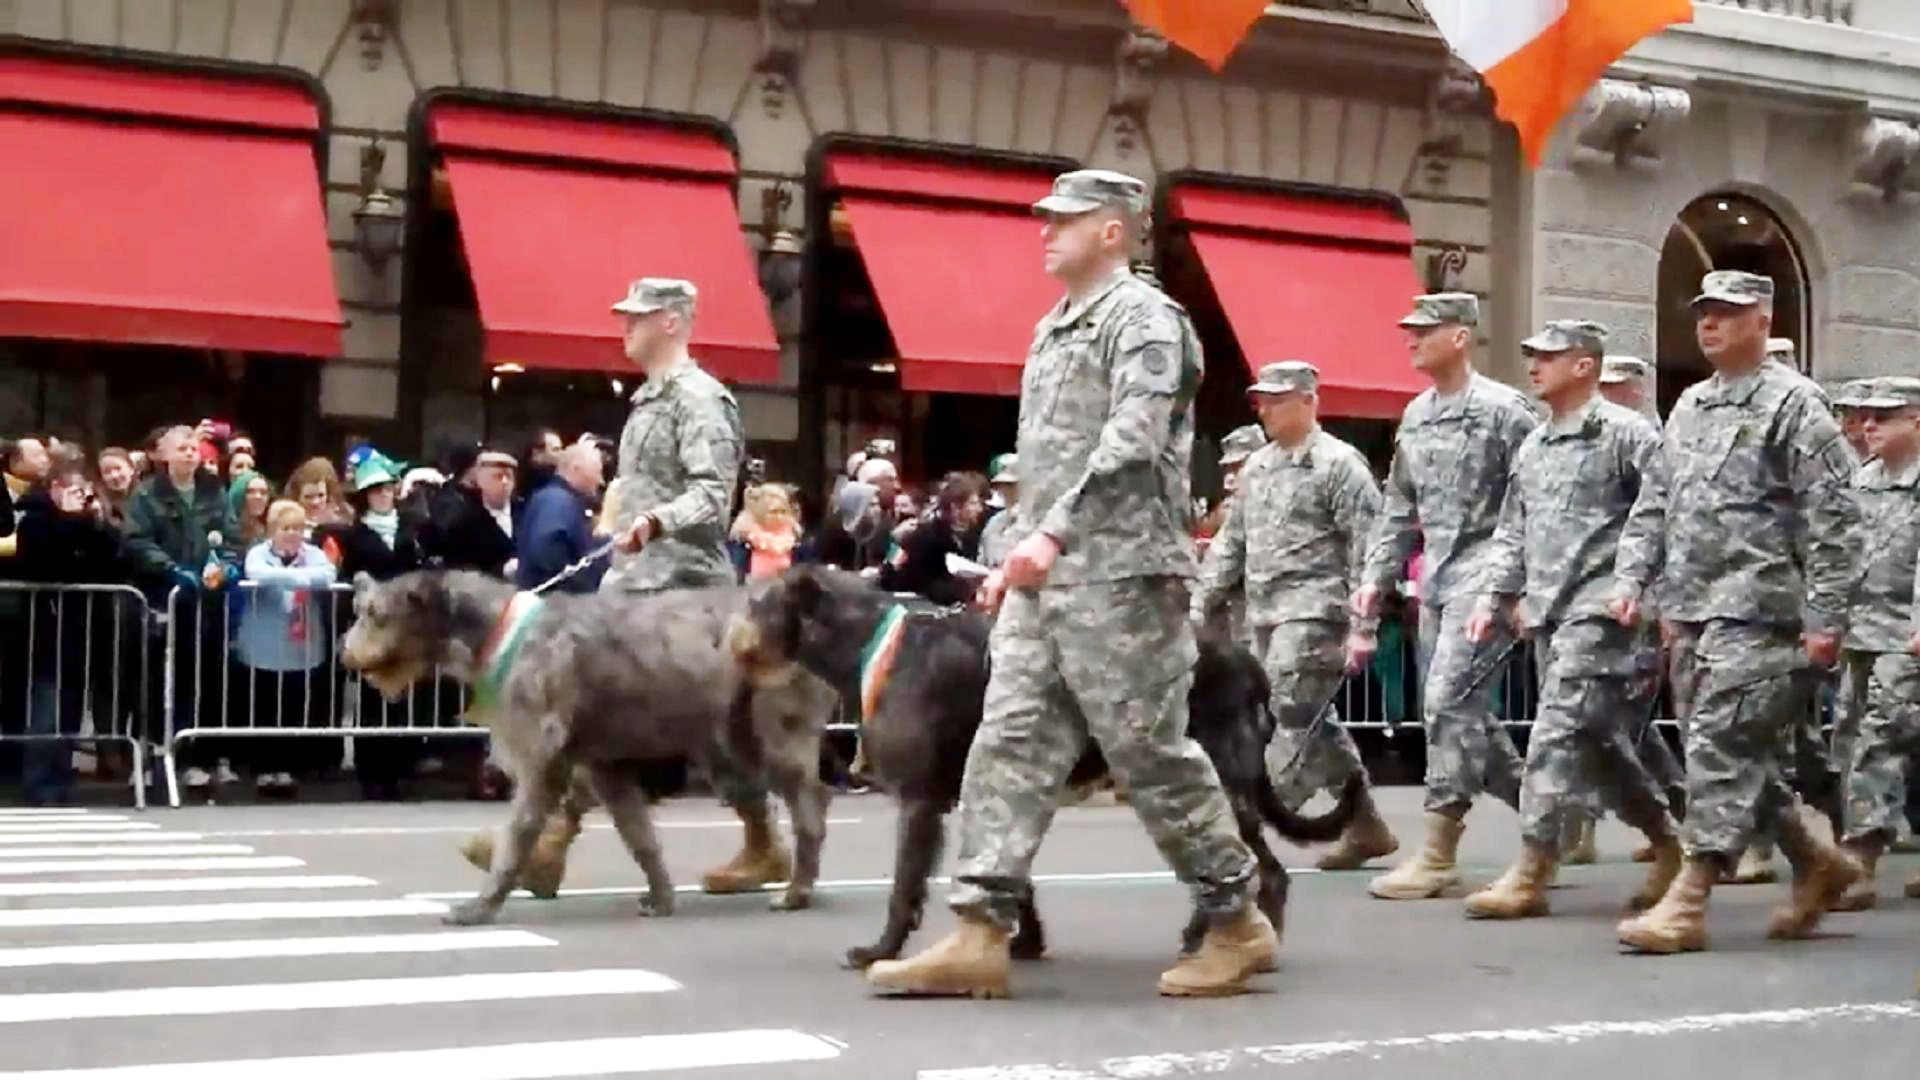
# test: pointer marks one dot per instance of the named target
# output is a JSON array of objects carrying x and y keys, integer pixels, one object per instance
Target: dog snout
[{"x": 743, "y": 639}]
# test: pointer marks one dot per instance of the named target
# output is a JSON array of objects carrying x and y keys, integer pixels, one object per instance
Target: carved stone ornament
[
  {"x": 373, "y": 23},
  {"x": 1625, "y": 120},
  {"x": 1884, "y": 151},
  {"x": 1458, "y": 91},
  {"x": 1141, "y": 55},
  {"x": 783, "y": 37},
  {"x": 1444, "y": 267}
]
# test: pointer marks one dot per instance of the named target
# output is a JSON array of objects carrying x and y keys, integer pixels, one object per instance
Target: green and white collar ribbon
[{"x": 503, "y": 646}]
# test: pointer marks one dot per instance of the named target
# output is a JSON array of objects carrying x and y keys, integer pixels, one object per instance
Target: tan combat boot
[
  {"x": 1430, "y": 871},
  {"x": 546, "y": 864},
  {"x": 973, "y": 961},
  {"x": 1578, "y": 844},
  {"x": 478, "y": 849},
  {"x": 1862, "y": 894},
  {"x": 761, "y": 861},
  {"x": 1644, "y": 853},
  {"x": 1756, "y": 866},
  {"x": 1678, "y": 922},
  {"x": 1232, "y": 950},
  {"x": 1667, "y": 857},
  {"x": 1366, "y": 837},
  {"x": 1521, "y": 892},
  {"x": 1822, "y": 873}
]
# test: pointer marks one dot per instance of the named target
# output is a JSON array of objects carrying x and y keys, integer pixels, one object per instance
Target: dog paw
[
  {"x": 1026, "y": 948},
  {"x": 861, "y": 957},
  {"x": 470, "y": 913},
  {"x": 792, "y": 900},
  {"x": 655, "y": 906}
]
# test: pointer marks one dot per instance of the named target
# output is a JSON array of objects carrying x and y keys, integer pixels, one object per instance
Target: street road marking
[
  {"x": 430, "y": 830},
  {"x": 183, "y": 885},
  {"x": 338, "y": 994},
  {"x": 512, "y": 1061},
  {"x": 51, "y": 811},
  {"x": 108, "y": 851},
  {"x": 262, "y": 948},
  {"x": 209, "y": 913},
  {"x": 1140, "y": 877},
  {"x": 1312, "y": 1053},
  {"x": 121, "y": 866},
  {"x": 76, "y": 825},
  {"x": 67, "y": 836},
  {"x": 68, "y": 819}
]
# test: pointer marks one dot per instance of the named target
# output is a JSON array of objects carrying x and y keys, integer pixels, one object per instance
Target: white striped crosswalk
[{"x": 68, "y": 876}]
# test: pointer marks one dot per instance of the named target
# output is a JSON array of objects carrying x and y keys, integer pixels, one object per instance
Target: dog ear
[{"x": 807, "y": 590}]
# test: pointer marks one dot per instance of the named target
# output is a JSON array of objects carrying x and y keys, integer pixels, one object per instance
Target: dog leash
[{"x": 574, "y": 568}]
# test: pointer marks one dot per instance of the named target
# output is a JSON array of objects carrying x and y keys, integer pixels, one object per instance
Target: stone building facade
[{"x": 1798, "y": 114}]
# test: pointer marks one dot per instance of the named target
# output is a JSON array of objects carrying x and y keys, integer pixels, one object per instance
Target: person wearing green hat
[
  {"x": 381, "y": 545},
  {"x": 996, "y": 536}
]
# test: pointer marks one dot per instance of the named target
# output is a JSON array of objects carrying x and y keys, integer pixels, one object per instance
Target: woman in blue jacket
[{"x": 282, "y": 647}]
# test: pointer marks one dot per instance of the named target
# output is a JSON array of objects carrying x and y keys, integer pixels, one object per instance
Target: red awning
[
  {"x": 954, "y": 256},
  {"x": 204, "y": 230},
  {"x": 1310, "y": 279},
  {"x": 558, "y": 215}
]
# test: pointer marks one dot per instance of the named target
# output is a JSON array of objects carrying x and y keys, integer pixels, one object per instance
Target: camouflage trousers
[
  {"x": 1747, "y": 684},
  {"x": 1582, "y": 746},
  {"x": 1883, "y": 695},
  {"x": 1112, "y": 662},
  {"x": 1643, "y": 732},
  {"x": 1305, "y": 664},
  {"x": 1468, "y": 749}
]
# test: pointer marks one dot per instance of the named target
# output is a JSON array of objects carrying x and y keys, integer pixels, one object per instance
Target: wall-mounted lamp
[
  {"x": 781, "y": 260},
  {"x": 379, "y": 221}
]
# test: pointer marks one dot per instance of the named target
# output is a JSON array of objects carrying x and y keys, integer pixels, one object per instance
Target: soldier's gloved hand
[
  {"x": 1625, "y": 606},
  {"x": 1361, "y": 645},
  {"x": 1822, "y": 649},
  {"x": 1030, "y": 562},
  {"x": 1366, "y": 602},
  {"x": 1480, "y": 623}
]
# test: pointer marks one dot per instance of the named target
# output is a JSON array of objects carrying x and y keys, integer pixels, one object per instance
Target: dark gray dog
[
  {"x": 600, "y": 681},
  {"x": 928, "y": 710}
]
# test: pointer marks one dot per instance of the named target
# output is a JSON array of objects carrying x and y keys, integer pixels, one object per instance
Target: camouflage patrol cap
[
  {"x": 1084, "y": 190},
  {"x": 1240, "y": 444},
  {"x": 1618, "y": 369},
  {"x": 1735, "y": 287},
  {"x": 1286, "y": 377},
  {"x": 1440, "y": 309},
  {"x": 650, "y": 294},
  {"x": 1893, "y": 392},
  {"x": 1855, "y": 393},
  {"x": 1781, "y": 349},
  {"x": 1569, "y": 335}
]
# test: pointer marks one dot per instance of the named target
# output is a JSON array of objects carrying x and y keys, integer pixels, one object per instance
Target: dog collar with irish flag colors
[
  {"x": 503, "y": 644},
  {"x": 876, "y": 659}
]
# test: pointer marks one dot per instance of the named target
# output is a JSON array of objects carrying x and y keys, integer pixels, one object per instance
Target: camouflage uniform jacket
[
  {"x": 1586, "y": 506},
  {"x": 1451, "y": 460},
  {"x": 1106, "y": 435},
  {"x": 1296, "y": 534},
  {"x": 679, "y": 457},
  {"x": 1884, "y": 590},
  {"x": 1760, "y": 522}
]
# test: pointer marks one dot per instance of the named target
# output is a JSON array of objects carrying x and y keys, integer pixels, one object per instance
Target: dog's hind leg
[
  {"x": 626, "y": 803},
  {"x": 806, "y": 798},
  {"x": 920, "y": 832},
  {"x": 534, "y": 797},
  {"x": 1030, "y": 936},
  {"x": 1272, "y": 896}
]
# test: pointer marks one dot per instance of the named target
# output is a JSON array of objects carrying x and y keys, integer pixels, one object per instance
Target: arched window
[{"x": 1725, "y": 231}]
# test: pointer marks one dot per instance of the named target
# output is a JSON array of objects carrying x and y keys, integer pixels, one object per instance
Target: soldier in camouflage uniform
[
  {"x": 1293, "y": 545},
  {"x": 1881, "y": 676},
  {"x": 1092, "y": 640},
  {"x": 996, "y": 537},
  {"x": 1759, "y": 535},
  {"x": 1584, "y": 509},
  {"x": 1452, "y": 456},
  {"x": 1229, "y": 615}
]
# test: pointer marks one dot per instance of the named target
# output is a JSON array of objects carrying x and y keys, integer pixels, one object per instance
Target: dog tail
[{"x": 1310, "y": 830}]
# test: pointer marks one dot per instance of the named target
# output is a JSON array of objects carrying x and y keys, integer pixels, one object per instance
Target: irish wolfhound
[
  {"x": 925, "y": 714},
  {"x": 599, "y": 682}
]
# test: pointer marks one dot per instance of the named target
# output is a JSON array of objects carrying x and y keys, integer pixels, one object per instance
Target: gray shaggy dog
[{"x": 600, "y": 682}]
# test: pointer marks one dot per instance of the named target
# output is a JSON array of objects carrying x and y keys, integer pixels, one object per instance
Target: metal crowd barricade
[
  {"x": 76, "y": 656},
  {"x": 213, "y": 692}
]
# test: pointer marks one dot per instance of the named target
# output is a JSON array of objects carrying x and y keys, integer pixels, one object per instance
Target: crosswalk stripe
[
  {"x": 266, "y": 948},
  {"x": 74, "y": 825},
  {"x": 123, "y": 866},
  {"x": 514, "y": 1061},
  {"x": 292, "y": 882},
  {"x": 40, "y": 811},
  {"x": 337, "y": 994},
  {"x": 62, "y": 819},
  {"x": 159, "y": 915},
  {"x": 111, "y": 851},
  {"x": 69, "y": 837}
]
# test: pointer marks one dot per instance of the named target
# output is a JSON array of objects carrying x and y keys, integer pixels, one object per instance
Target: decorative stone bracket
[
  {"x": 1884, "y": 152},
  {"x": 1625, "y": 120},
  {"x": 1141, "y": 55},
  {"x": 783, "y": 38},
  {"x": 373, "y": 22}
]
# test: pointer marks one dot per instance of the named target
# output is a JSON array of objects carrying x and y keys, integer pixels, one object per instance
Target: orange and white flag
[
  {"x": 1209, "y": 29},
  {"x": 1541, "y": 56}
]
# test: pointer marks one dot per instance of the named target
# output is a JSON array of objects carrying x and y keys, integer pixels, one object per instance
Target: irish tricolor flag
[{"x": 1541, "y": 56}]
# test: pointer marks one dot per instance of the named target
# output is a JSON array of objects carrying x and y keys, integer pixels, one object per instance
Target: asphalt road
[{"x": 271, "y": 941}]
